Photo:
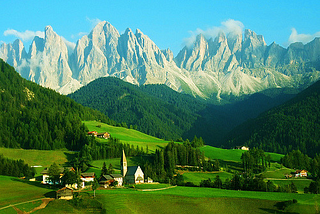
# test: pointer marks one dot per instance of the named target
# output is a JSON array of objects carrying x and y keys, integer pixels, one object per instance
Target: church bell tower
[{"x": 123, "y": 164}]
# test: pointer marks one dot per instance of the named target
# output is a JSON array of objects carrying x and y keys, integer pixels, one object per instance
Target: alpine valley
[{"x": 220, "y": 68}]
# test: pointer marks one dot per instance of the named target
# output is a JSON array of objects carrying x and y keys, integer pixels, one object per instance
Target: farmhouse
[
  {"x": 118, "y": 178},
  {"x": 131, "y": 174},
  {"x": 104, "y": 135},
  {"x": 106, "y": 180},
  {"x": 45, "y": 174},
  {"x": 64, "y": 193},
  {"x": 242, "y": 148},
  {"x": 94, "y": 133},
  {"x": 301, "y": 173},
  {"x": 87, "y": 177}
]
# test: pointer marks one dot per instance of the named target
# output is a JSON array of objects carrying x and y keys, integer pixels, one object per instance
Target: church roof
[{"x": 132, "y": 170}]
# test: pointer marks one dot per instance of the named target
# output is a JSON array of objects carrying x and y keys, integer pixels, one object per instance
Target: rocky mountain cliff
[{"x": 232, "y": 64}]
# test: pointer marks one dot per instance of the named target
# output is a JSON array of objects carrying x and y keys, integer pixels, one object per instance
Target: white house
[
  {"x": 45, "y": 174},
  {"x": 118, "y": 178},
  {"x": 301, "y": 173},
  {"x": 87, "y": 177}
]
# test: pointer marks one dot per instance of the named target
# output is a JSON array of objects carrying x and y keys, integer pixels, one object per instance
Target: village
[{"x": 129, "y": 175}]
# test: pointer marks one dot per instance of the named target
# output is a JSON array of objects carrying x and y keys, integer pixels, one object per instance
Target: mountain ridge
[
  {"x": 234, "y": 64},
  {"x": 290, "y": 126}
]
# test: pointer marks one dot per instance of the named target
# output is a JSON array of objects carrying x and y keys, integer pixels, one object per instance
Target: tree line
[
  {"x": 248, "y": 182},
  {"x": 161, "y": 165},
  {"x": 16, "y": 168},
  {"x": 33, "y": 117},
  {"x": 255, "y": 160}
]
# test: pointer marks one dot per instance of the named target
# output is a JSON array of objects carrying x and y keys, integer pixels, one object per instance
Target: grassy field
[
  {"x": 38, "y": 157},
  {"x": 14, "y": 190},
  {"x": 197, "y": 177},
  {"x": 222, "y": 154},
  {"x": 174, "y": 200},
  {"x": 200, "y": 200},
  {"x": 129, "y": 136},
  {"x": 231, "y": 154}
]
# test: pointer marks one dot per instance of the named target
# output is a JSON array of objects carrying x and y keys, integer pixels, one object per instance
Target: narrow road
[
  {"x": 156, "y": 189},
  {"x": 12, "y": 205}
]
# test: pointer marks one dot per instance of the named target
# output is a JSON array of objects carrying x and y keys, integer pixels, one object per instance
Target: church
[{"x": 131, "y": 174}]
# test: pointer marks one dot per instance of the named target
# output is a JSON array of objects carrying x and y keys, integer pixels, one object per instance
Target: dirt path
[
  {"x": 156, "y": 189},
  {"x": 288, "y": 179},
  {"x": 44, "y": 203}
]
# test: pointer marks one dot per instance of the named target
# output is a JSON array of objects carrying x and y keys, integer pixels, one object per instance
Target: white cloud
[
  {"x": 227, "y": 27},
  {"x": 24, "y": 36},
  {"x": 70, "y": 45},
  {"x": 93, "y": 22},
  {"x": 79, "y": 35},
  {"x": 304, "y": 38}
]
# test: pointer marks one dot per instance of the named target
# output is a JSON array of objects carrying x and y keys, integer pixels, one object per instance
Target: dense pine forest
[
  {"x": 291, "y": 126},
  {"x": 167, "y": 119},
  {"x": 162, "y": 112},
  {"x": 33, "y": 117}
]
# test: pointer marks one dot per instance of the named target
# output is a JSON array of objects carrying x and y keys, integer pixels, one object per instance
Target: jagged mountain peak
[
  {"x": 138, "y": 32},
  {"x": 229, "y": 64},
  {"x": 254, "y": 39}
]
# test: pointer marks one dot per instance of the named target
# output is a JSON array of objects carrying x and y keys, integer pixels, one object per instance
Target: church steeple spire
[{"x": 123, "y": 164}]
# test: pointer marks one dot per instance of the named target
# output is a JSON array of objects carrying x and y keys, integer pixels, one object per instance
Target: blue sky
[{"x": 169, "y": 23}]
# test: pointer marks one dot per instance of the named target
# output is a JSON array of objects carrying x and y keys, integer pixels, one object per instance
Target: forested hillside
[
  {"x": 162, "y": 112},
  {"x": 166, "y": 118},
  {"x": 33, "y": 117},
  {"x": 293, "y": 125}
]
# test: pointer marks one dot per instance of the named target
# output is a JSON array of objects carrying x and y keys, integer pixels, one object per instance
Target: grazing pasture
[
  {"x": 130, "y": 136},
  {"x": 14, "y": 190}
]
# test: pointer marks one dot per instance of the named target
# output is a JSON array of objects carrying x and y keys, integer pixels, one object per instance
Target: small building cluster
[
  {"x": 104, "y": 135},
  {"x": 129, "y": 175},
  {"x": 242, "y": 148},
  {"x": 85, "y": 177},
  {"x": 297, "y": 174}
]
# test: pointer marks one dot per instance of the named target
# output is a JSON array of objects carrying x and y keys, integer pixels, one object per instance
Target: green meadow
[
  {"x": 14, "y": 190},
  {"x": 201, "y": 200},
  {"x": 37, "y": 157},
  {"x": 197, "y": 177},
  {"x": 231, "y": 154},
  {"x": 130, "y": 136},
  {"x": 172, "y": 200}
]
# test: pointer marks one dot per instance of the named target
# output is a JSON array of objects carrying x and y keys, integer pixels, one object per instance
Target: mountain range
[{"x": 229, "y": 65}]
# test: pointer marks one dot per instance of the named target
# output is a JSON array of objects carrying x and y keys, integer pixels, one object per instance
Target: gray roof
[
  {"x": 61, "y": 169},
  {"x": 116, "y": 175},
  {"x": 106, "y": 178},
  {"x": 87, "y": 174}
]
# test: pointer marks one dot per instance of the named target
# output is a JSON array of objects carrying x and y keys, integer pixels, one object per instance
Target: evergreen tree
[{"x": 104, "y": 170}]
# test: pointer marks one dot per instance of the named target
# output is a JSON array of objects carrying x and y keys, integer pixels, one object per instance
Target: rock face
[{"x": 232, "y": 64}]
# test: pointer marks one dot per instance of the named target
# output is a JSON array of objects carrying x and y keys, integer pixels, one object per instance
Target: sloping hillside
[
  {"x": 162, "y": 112},
  {"x": 293, "y": 125},
  {"x": 33, "y": 117},
  {"x": 124, "y": 102}
]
